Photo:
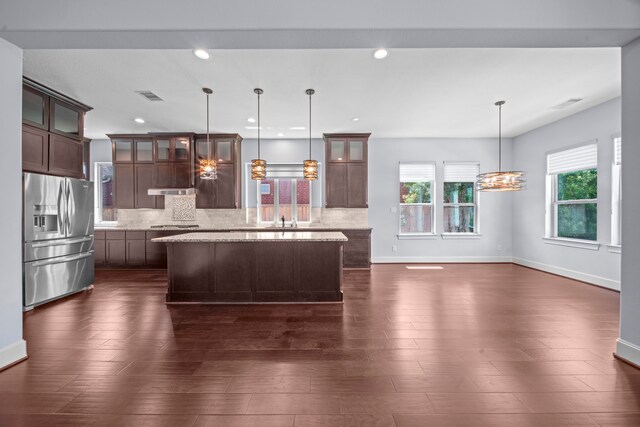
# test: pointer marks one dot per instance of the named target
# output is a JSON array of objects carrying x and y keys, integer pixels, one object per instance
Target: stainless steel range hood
[{"x": 171, "y": 191}]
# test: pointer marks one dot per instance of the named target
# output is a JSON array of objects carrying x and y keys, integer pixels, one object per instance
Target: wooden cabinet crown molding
[{"x": 26, "y": 81}]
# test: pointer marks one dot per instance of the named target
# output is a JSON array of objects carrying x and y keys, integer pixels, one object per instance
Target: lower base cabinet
[{"x": 135, "y": 249}]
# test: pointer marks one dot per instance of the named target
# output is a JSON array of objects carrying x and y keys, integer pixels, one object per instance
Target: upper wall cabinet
[
  {"x": 224, "y": 192},
  {"x": 51, "y": 124},
  {"x": 346, "y": 170}
]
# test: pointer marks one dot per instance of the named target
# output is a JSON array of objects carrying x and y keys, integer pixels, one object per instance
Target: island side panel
[
  {"x": 320, "y": 266},
  {"x": 233, "y": 272},
  {"x": 190, "y": 271},
  {"x": 276, "y": 275}
]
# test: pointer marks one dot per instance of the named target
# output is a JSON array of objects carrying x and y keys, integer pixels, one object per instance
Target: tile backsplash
[{"x": 182, "y": 210}]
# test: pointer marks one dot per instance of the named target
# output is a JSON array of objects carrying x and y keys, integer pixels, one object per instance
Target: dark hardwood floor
[{"x": 468, "y": 345}]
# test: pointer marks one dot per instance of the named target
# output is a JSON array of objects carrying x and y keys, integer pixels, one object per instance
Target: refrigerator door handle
[
  {"x": 70, "y": 207},
  {"x": 61, "y": 211},
  {"x": 63, "y": 259},
  {"x": 61, "y": 242}
]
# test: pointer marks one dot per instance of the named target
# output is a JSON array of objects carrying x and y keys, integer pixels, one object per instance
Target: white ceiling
[{"x": 412, "y": 93}]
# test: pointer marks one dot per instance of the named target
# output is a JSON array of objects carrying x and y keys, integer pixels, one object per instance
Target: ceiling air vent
[
  {"x": 567, "y": 103},
  {"x": 149, "y": 95}
]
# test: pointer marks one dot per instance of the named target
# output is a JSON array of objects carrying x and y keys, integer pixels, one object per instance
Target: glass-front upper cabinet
[
  {"x": 163, "y": 149},
  {"x": 337, "y": 150},
  {"x": 123, "y": 151},
  {"x": 356, "y": 150},
  {"x": 224, "y": 151},
  {"x": 35, "y": 108},
  {"x": 65, "y": 119},
  {"x": 144, "y": 150},
  {"x": 181, "y": 149}
]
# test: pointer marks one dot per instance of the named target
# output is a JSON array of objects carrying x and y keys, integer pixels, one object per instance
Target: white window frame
[
  {"x": 432, "y": 233},
  {"x": 551, "y": 214},
  {"x": 475, "y": 205},
  {"x": 98, "y": 194},
  {"x": 276, "y": 204},
  {"x": 616, "y": 197}
]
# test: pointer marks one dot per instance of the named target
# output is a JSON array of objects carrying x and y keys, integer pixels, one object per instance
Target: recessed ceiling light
[
  {"x": 201, "y": 53},
  {"x": 139, "y": 120},
  {"x": 280, "y": 134},
  {"x": 297, "y": 128},
  {"x": 251, "y": 120},
  {"x": 355, "y": 119},
  {"x": 380, "y": 53}
]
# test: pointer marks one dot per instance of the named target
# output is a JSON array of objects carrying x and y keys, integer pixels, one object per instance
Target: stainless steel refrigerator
[{"x": 58, "y": 237}]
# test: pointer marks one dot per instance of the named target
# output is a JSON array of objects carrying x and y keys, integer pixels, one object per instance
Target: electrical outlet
[
  {"x": 394, "y": 248},
  {"x": 499, "y": 247}
]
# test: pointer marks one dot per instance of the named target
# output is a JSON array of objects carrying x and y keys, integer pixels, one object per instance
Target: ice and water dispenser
[{"x": 45, "y": 219}]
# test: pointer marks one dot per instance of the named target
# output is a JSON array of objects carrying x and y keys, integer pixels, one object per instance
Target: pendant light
[
  {"x": 501, "y": 181},
  {"x": 310, "y": 167},
  {"x": 208, "y": 166},
  {"x": 258, "y": 166}
]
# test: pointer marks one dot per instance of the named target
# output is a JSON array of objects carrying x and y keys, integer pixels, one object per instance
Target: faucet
[{"x": 282, "y": 221}]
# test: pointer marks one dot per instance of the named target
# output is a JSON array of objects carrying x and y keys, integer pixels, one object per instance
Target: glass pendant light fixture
[
  {"x": 258, "y": 166},
  {"x": 501, "y": 181},
  {"x": 208, "y": 166},
  {"x": 310, "y": 167}
]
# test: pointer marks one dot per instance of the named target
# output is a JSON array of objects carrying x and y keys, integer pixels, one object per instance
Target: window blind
[
  {"x": 573, "y": 159},
  {"x": 617, "y": 143},
  {"x": 461, "y": 172},
  {"x": 284, "y": 171},
  {"x": 417, "y": 172}
]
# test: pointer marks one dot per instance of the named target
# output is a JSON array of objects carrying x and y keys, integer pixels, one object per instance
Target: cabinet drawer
[
  {"x": 356, "y": 245},
  {"x": 135, "y": 235},
  {"x": 356, "y": 260},
  {"x": 115, "y": 235},
  {"x": 99, "y": 235}
]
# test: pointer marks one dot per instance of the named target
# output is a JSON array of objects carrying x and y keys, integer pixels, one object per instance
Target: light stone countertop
[
  {"x": 247, "y": 228},
  {"x": 298, "y": 236}
]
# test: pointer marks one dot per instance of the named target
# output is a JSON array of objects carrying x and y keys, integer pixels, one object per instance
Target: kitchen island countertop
[{"x": 256, "y": 236}]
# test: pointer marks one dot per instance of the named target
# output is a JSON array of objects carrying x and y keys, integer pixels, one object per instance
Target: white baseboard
[
  {"x": 426, "y": 259},
  {"x": 13, "y": 353},
  {"x": 583, "y": 277},
  {"x": 628, "y": 351}
]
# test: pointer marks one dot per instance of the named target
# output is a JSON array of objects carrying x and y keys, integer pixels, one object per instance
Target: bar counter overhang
[{"x": 254, "y": 267}]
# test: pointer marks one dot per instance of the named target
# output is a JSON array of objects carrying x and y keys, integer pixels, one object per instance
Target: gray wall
[
  {"x": 12, "y": 346},
  {"x": 600, "y": 267},
  {"x": 629, "y": 342},
  {"x": 494, "y": 209},
  {"x": 100, "y": 152}
]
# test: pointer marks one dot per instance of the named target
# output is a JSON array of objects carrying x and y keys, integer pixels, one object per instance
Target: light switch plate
[{"x": 394, "y": 209}]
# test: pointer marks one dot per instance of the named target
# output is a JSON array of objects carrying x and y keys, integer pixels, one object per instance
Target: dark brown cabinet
[
  {"x": 143, "y": 181},
  {"x": 123, "y": 186},
  {"x": 35, "y": 149},
  {"x": 135, "y": 245},
  {"x": 52, "y": 132},
  {"x": 346, "y": 170},
  {"x": 66, "y": 156},
  {"x": 357, "y": 250},
  {"x": 224, "y": 192},
  {"x": 99, "y": 248},
  {"x": 116, "y": 252}
]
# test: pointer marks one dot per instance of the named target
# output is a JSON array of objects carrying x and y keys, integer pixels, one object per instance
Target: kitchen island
[{"x": 247, "y": 267}]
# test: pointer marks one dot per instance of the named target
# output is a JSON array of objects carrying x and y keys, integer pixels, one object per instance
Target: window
[
  {"x": 460, "y": 198},
  {"x": 616, "y": 193},
  {"x": 572, "y": 193},
  {"x": 105, "y": 211},
  {"x": 417, "y": 185},
  {"x": 284, "y": 193}
]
